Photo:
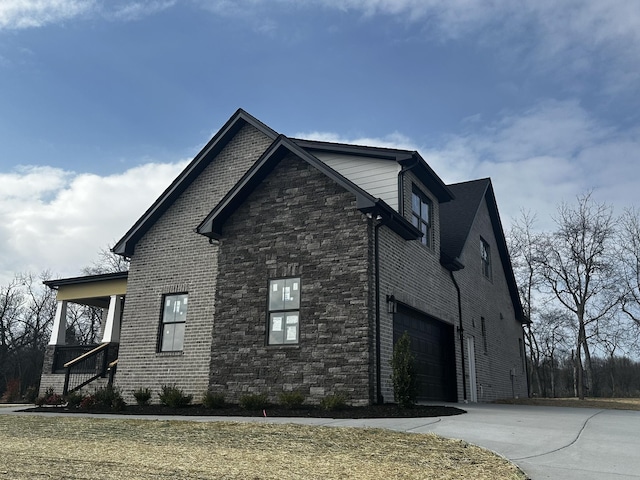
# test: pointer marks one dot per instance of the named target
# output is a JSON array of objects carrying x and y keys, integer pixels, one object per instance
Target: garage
[{"x": 432, "y": 344}]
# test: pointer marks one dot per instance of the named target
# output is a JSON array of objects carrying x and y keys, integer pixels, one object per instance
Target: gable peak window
[
  {"x": 174, "y": 316},
  {"x": 421, "y": 208},
  {"x": 485, "y": 255},
  {"x": 284, "y": 311}
]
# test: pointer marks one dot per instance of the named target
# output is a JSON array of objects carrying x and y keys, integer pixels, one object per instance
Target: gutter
[{"x": 403, "y": 170}]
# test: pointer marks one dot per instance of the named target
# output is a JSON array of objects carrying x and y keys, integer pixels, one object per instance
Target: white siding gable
[{"x": 375, "y": 176}]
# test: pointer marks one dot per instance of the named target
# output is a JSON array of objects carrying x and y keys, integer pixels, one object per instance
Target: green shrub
[
  {"x": 74, "y": 399},
  {"x": 334, "y": 402},
  {"x": 142, "y": 396},
  {"x": 254, "y": 401},
  {"x": 403, "y": 376},
  {"x": 213, "y": 400},
  {"x": 173, "y": 397},
  {"x": 291, "y": 399},
  {"x": 109, "y": 398}
]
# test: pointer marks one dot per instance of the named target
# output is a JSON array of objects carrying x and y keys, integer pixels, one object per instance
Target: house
[{"x": 278, "y": 264}]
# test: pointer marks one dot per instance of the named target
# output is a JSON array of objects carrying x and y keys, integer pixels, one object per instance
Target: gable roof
[
  {"x": 126, "y": 245},
  {"x": 211, "y": 226},
  {"x": 406, "y": 158},
  {"x": 459, "y": 216}
]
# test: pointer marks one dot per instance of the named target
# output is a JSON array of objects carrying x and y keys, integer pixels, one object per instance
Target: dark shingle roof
[
  {"x": 456, "y": 221},
  {"x": 458, "y": 215}
]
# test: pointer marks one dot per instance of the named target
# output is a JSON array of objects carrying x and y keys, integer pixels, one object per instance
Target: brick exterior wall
[
  {"x": 412, "y": 273},
  {"x": 299, "y": 223},
  {"x": 489, "y": 299},
  {"x": 172, "y": 258},
  {"x": 296, "y": 223},
  {"x": 48, "y": 379}
]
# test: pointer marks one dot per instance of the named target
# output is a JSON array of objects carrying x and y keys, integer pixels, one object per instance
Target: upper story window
[
  {"x": 421, "y": 214},
  {"x": 174, "y": 316},
  {"x": 485, "y": 255},
  {"x": 284, "y": 311}
]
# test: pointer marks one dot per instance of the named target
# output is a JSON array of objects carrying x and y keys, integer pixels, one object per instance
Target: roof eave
[{"x": 126, "y": 245}]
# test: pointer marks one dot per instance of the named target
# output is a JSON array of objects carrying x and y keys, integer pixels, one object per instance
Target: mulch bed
[{"x": 371, "y": 411}]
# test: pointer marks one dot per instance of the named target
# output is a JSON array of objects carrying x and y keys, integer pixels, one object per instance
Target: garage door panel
[{"x": 433, "y": 349}]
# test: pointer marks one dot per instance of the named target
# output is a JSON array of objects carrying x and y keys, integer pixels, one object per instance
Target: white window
[
  {"x": 174, "y": 316},
  {"x": 284, "y": 311}
]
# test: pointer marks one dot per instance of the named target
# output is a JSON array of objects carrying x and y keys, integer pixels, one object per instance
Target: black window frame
[
  {"x": 287, "y": 316},
  {"x": 483, "y": 328},
  {"x": 418, "y": 218},
  {"x": 163, "y": 323},
  {"x": 485, "y": 258}
]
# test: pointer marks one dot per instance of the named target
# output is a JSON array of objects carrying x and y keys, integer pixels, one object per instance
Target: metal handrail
[
  {"x": 96, "y": 368},
  {"x": 90, "y": 353}
]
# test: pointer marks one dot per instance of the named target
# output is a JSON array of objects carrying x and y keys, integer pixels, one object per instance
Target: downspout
[
  {"x": 461, "y": 333},
  {"x": 404, "y": 169},
  {"x": 378, "y": 224}
]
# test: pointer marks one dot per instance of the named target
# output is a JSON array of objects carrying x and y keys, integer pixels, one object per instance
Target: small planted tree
[{"x": 405, "y": 387}]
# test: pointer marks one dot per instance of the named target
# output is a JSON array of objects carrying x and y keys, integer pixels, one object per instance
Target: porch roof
[{"x": 92, "y": 290}]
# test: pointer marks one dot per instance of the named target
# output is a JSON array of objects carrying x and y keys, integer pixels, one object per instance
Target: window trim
[
  {"x": 417, "y": 217},
  {"x": 485, "y": 258},
  {"x": 483, "y": 329},
  {"x": 286, "y": 312},
  {"x": 162, "y": 324}
]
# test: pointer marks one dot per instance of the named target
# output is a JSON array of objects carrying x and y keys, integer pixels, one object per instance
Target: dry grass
[
  {"x": 83, "y": 448},
  {"x": 606, "y": 403}
]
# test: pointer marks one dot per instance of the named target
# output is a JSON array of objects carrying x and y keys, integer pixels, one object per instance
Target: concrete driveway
[
  {"x": 546, "y": 442},
  {"x": 553, "y": 442}
]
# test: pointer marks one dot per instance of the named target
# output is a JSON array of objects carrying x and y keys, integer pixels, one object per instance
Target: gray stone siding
[
  {"x": 172, "y": 258},
  {"x": 296, "y": 223}
]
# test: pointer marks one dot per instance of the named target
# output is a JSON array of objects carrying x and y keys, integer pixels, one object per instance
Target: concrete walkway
[{"x": 546, "y": 442}]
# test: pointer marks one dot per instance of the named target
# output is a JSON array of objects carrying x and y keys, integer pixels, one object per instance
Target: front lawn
[{"x": 86, "y": 448}]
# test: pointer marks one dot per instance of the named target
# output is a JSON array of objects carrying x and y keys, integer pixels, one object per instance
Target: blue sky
[{"x": 102, "y": 103}]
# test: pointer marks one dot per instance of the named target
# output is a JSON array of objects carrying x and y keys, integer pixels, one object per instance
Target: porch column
[
  {"x": 59, "y": 329},
  {"x": 112, "y": 325}
]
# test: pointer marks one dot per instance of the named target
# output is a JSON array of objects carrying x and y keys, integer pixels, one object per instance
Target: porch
[{"x": 68, "y": 368}]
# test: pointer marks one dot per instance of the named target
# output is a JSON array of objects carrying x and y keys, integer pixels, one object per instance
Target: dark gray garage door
[{"x": 433, "y": 348}]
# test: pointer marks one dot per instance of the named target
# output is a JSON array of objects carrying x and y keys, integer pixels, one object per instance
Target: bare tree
[
  {"x": 107, "y": 262},
  {"x": 553, "y": 330},
  {"x": 523, "y": 244},
  {"x": 11, "y": 302},
  {"x": 577, "y": 265},
  {"x": 629, "y": 250}
]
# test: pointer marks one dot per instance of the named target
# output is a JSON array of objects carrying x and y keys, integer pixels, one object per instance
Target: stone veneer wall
[
  {"x": 172, "y": 258},
  {"x": 298, "y": 223}
]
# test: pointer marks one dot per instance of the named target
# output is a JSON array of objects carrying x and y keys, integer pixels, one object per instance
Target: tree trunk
[{"x": 580, "y": 373}]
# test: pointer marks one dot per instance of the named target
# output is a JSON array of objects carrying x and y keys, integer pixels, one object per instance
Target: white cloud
[
  {"x": 21, "y": 14},
  {"x": 536, "y": 158},
  {"x": 58, "y": 220},
  {"x": 393, "y": 140},
  {"x": 542, "y": 156},
  {"x": 18, "y": 14}
]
